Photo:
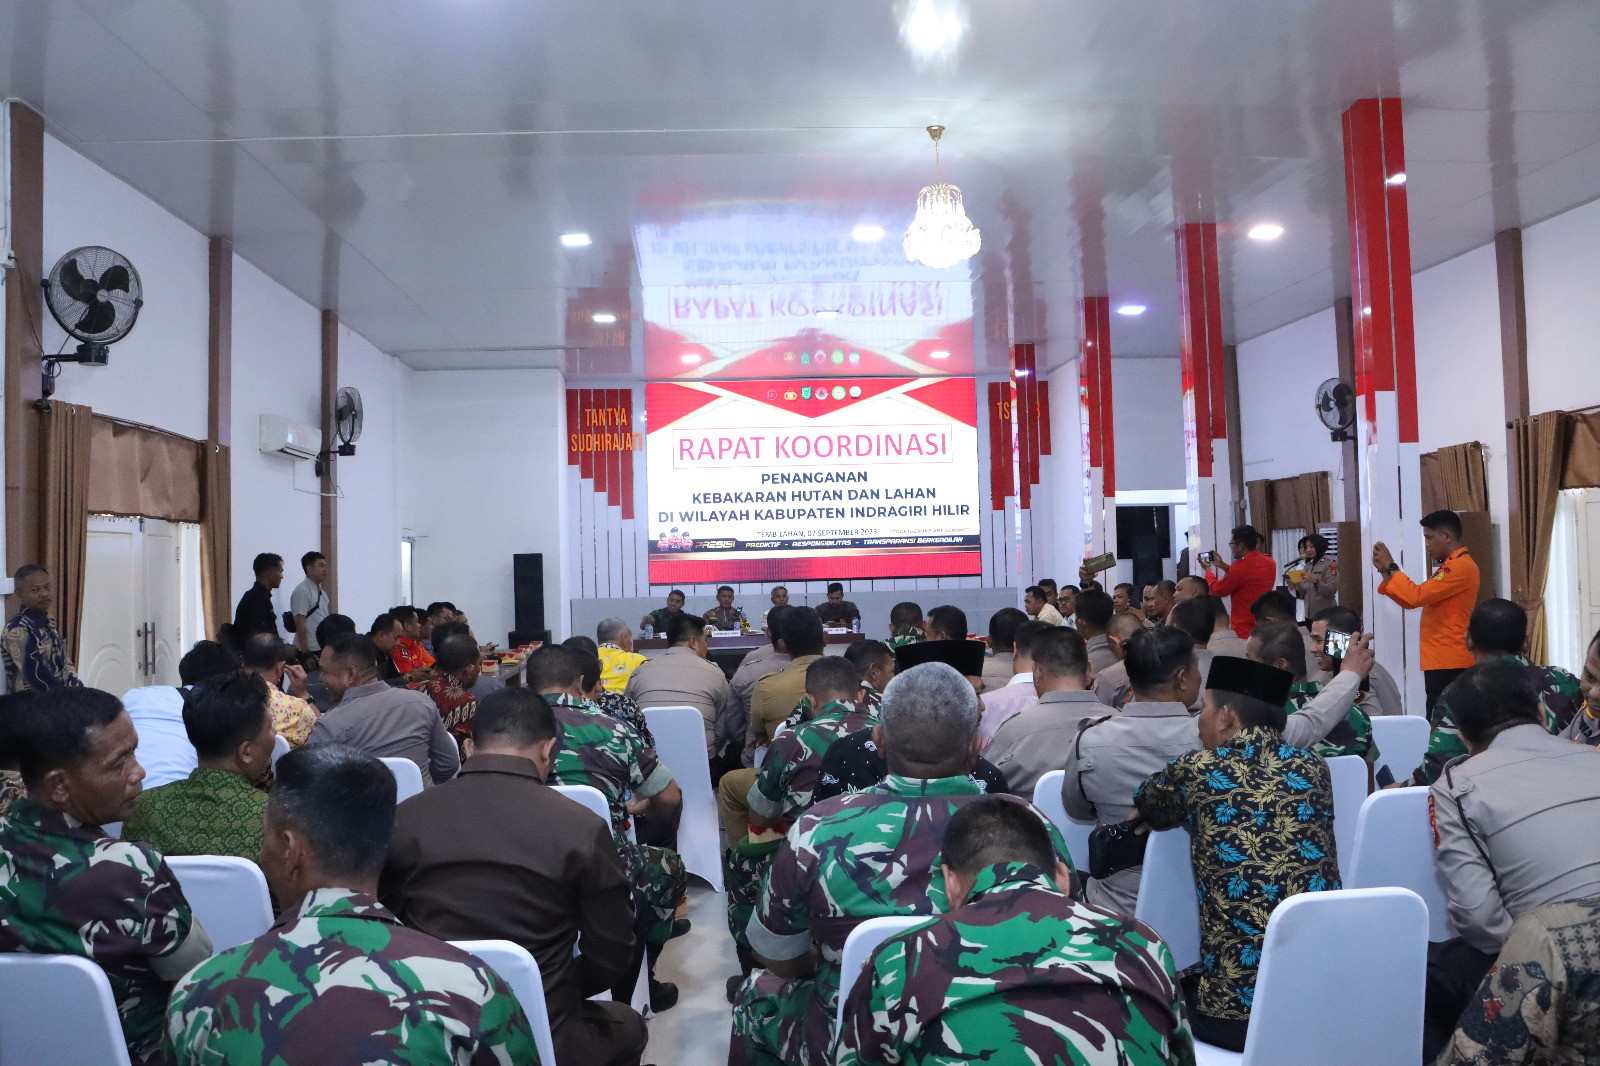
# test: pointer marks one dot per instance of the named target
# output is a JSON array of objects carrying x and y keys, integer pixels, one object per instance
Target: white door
[
  {"x": 1588, "y": 507},
  {"x": 163, "y": 602},
  {"x": 138, "y": 618}
]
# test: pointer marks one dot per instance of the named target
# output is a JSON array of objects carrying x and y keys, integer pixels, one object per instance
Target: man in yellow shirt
[
  {"x": 618, "y": 660},
  {"x": 1447, "y": 599}
]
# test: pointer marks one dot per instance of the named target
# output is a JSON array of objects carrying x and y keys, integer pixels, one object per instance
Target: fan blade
[
  {"x": 99, "y": 317},
  {"x": 115, "y": 278},
  {"x": 74, "y": 284}
]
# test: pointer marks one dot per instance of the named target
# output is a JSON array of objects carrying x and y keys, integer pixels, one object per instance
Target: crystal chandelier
[{"x": 940, "y": 235}]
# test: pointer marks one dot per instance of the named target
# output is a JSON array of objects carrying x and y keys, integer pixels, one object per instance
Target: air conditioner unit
[{"x": 279, "y": 434}]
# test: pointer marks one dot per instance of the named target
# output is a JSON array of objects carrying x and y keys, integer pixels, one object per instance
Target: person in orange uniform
[
  {"x": 1447, "y": 599},
  {"x": 409, "y": 654},
  {"x": 1250, "y": 575}
]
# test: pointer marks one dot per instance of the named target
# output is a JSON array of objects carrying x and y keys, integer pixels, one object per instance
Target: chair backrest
[
  {"x": 589, "y": 796},
  {"x": 1402, "y": 741},
  {"x": 680, "y": 734},
  {"x": 1047, "y": 797},
  {"x": 1167, "y": 901},
  {"x": 863, "y": 940},
  {"x": 407, "y": 776},
  {"x": 227, "y": 894},
  {"x": 280, "y": 748},
  {"x": 57, "y": 1008},
  {"x": 519, "y": 969},
  {"x": 1341, "y": 981},
  {"x": 1349, "y": 774},
  {"x": 1394, "y": 849}
]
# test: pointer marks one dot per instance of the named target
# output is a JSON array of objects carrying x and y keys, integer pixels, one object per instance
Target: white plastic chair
[
  {"x": 1349, "y": 774},
  {"x": 1047, "y": 797},
  {"x": 1402, "y": 741},
  {"x": 57, "y": 1008},
  {"x": 518, "y": 968},
  {"x": 1394, "y": 849},
  {"x": 863, "y": 940},
  {"x": 595, "y": 800},
  {"x": 1340, "y": 984},
  {"x": 280, "y": 748},
  {"x": 1167, "y": 902},
  {"x": 680, "y": 734},
  {"x": 227, "y": 894},
  {"x": 407, "y": 778}
]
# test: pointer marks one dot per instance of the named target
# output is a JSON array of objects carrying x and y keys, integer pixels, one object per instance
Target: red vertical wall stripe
[
  {"x": 1216, "y": 395},
  {"x": 627, "y": 455},
  {"x": 574, "y": 426},
  {"x": 1108, "y": 427},
  {"x": 997, "y": 487},
  {"x": 1044, "y": 418},
  {"x": 585, "y": 455},
  {"x": 1199, "y": 311}
]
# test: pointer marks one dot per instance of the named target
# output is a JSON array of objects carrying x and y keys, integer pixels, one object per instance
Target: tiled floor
[{"x": 695, "y": 1032}]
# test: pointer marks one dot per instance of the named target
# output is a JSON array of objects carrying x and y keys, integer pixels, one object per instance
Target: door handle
[
  {"x": 139, "y": 635},
  {"x": 150, "y": 639}
]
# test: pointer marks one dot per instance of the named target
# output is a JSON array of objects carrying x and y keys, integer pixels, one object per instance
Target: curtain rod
[{"x": 44, "y": 405}]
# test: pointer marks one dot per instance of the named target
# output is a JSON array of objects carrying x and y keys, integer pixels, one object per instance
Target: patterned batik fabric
[
  {"x": 211, "y": 812},
  {"x": 621, "y": 705},
  {"x": 341, "y": 980},
  {"x": 68, "y": 889},
  {"x": 1260, "y": 817},
  {"x": 848, "y": 859},
  {"x": 11, "y": 789},
  {"x": 1584, "y": 727},
  {"x": 597, "y": 750},
  {"x": 457, "y": 705},
  {"x": 1019, "y": 973},
  {"x": 1540, "y": 1004},
  {"x": 1560, "y": 699},
  {"x": 292, "y": 717},
  {"x": 35, "y": 655},
  {"x": 1353, "y": 736},
  {"x": 616, "y": 666}
]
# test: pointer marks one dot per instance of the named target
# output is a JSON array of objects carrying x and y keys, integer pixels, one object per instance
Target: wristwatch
[{"x": 1394, "y": 568}]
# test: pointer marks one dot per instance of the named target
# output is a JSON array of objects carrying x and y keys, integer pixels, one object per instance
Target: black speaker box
[{"x": 527, "y": 591}]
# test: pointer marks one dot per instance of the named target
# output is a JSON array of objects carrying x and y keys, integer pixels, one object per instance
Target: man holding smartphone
[
  {"x": 1245, "y": 580},
  {"x": 1447, "y": 599}
]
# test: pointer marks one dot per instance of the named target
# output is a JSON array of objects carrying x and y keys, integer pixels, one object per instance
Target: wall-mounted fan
[
  {"x": 95, "y": 294},
  {"x": 1336, "y": 406},
  {"x": 347, "y": 419}
]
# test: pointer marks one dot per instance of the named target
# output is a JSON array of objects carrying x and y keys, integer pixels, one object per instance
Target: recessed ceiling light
[
  {"x": 1131, "y": 310},
  {"x": 830, "y": 312},
  {"x": 1021, "y": 373},
  {"x": 932, "y": 30},
  {"x": 575, "y": 240},
  {"x": 603, "y": 318},
  {"x": 1396, "y": 179},
  {"x": 691, "y": 358},
  {"x": 1266, "y": 231},
  {"x": 938, "y": 355},
  {"x": 867, "y": 233}
]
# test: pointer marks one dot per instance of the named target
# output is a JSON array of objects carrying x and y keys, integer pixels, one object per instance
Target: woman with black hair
[{"x": 1314, "y": 577}]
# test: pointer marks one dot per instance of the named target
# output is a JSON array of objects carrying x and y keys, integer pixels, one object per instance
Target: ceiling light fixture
[
  {"x": 690, "y": 358},
  {"x": 1396, "y": 179},
  {"x": 603, "y": 318},
  {"x": 828, "y": 312},
  {"x": 575, "y": 240},
  {"x": 932, "y": 30},
  {"x": 867, "y": 233},
  {"x": 1020, "y": 373},
  {"x": 1131, "y": 310},
  {"x": 939, "y": 355},
  {"x": 1265, "y": 231},
  {"x": 940, "y": 236}
]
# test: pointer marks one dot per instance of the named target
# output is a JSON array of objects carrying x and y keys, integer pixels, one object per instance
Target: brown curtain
[
  {"x": 1300, "y": 502},
  {"x": 216, "y": 534},
  {"x": 139, "y": 471},
  {"x": 1583, "y": 452},
  {"x": 1455, "y": 479},
  {"x": 1541, "y": 445},
  {"x": 1259, "y": 494},
  {"x": 66, "y": 439}
]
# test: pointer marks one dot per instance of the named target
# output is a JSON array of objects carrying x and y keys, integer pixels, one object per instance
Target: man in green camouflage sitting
[
  {"x": 1283, "y": 645},
  {"x": 1017, "y": 971},
  {"x": 906, "y": 625}
]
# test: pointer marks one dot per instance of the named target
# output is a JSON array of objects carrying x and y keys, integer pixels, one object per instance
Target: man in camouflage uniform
[
  {"x": 338, "y": 978},
  {"x": 1281, "y": 644},
  {"x": 1498, "y": 632},
  {"x": 856, "y": 857},
  {"x": 1017, "y": 968},
  {"x": 905, "y": 625},
  {"x": 68, "y": 889}
]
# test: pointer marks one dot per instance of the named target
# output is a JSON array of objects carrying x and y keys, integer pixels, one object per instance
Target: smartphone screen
[
  {"x": 1385, "y": 777},
  {"x": 1336, "y": 644}
]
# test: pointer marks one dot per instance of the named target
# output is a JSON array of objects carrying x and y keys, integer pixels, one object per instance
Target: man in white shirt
[
  {"x": 308, "y": 602},
  {"x": 1038, "y": 607},
  {"x": 1018, "y": 693},
  {"x": 164, "y": 748}
]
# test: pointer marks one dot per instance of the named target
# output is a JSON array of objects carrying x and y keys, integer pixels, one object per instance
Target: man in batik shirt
[
  {"x": 1017, "y": 968},
  {"x": 906, "y": 625},
  {"x": 1260, "y": 818},
  {"x": 450, "y": 688},
  {"x": 68, "y": 889},
  {"x": 1585, "y": 725},
  {"x": 293, "y": 714},
  {"x": 1498, "y": 632},
  {"x": 1283, "y": 645},
  {"x": 338, "y": 978},
  {"x": 31, "y": 647},
  {"x": 856, "y": 857}
]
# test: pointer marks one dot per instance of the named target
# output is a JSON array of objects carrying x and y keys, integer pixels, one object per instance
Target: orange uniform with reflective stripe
[{"x": 1447, "y": 599}]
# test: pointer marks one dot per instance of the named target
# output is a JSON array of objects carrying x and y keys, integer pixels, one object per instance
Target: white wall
[
  {"x": 1561, "y": 274},
  {"x": 1147, "y": 404},
  {"x": 369, "y": 511},
  {"x": 485, "y": 462},
  {"x": 157, "y": 374},
  {"x": 1280, "y": 433}
]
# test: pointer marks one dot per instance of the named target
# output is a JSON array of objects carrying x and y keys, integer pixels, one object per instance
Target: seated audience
[
  {"x": 618, "y": 660},
  {"x": 1158, "y": 601},
  {"x": 379, "y": 719},
  {"x": 1382, "y": 695},
  {"x": 410, "y": 658},
  {"x": 757, "y": 664},
  {"x": 682, "y": 676},
  {"x": 608, "y": 755},
  {"x": 1051, "y": 596},
  {"x": 1190, "y": 586},
  {"x": 780, "y": 597},
  {"x": 1017, "y": 693},
  {"x": 1038, "y": 608},
  {"x": 997, "y": 668},
  {"x": 876, "y": 663},
  {"x": 339, "y": 978},
  {"x": 1498, "y": 632},
  {"x": 456, "y": 670},
  {"x": 1259, "y": 811},
  {"x": 437, "y": 614},
  {"x": 1224, "y": 641},
  {"x": 905, "y": 625},
  {"x": 725, "y": 616},
  {"x": 12, "y": 787},
  {"x": 1035, "y": 741},
  {"x": 557, "y": 876},
  {"x": 1111, "y": 685},
  {"x": 217, "y": 809},
  {"x": 858, "y": 857},
  {"x": 838, "y": 612},
  {"x": 1540, "y": 1001},
  {"x": 385, "y": 635},
  {"x": 68, "y": 889},
  {"x": 1244, "y": 580},
  {"x": 1585, "y": 725},
  {"x": 774, "y": 697},
  {"x": 1514, "y": 829},
  {"x": 1016, "y": 970},
  {"x": 617, "y": 704},
  {"x": 1094, "y": 617},
  {"x": 1066, "y": 603},
  {"x": 1273, "y": 606},
  {"x": 1280, "y": 644},
  {"x": 656, "y": 621},
  {"x": 35, "y": 655},
  {"x": 274, "y": 662},
  {"x": 1124, "y": 597},
  {"x": 332, "y": 626},
  {"x": 157, "y": 713}
]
